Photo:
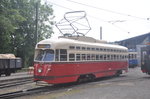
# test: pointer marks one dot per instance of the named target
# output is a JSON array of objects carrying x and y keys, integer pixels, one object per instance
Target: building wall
[{"x": 136, "y": 43}]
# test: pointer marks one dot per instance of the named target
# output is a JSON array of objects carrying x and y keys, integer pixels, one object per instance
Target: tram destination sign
[{"x": 44, "y": 46}]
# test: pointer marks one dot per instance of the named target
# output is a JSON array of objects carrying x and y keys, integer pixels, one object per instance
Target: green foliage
[{"x": 17, "y": 27}]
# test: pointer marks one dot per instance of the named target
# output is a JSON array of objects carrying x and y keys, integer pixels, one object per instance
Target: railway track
[
  {"x": 21, "y": 93},
  {"x": 14, "y": 79},
  {"x": 41, "y": 89},
  {"x": 15, "y": 82}
]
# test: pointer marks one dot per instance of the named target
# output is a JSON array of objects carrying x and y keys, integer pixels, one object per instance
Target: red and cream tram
[{"x": 73, "y": 58}]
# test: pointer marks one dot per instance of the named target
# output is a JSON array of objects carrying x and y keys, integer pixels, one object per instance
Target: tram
[
  {"x": 77, "y": 58},
  {"x": 145, "y": 59},
  {"x": 133, "y": 61}
]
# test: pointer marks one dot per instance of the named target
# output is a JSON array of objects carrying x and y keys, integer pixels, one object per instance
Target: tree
[
  {"x": 8, "y": 23},
  {"x": 18, "y": 27}
]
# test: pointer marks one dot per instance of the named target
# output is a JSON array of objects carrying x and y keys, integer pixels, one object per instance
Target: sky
[{"x": 119, "y": 19}]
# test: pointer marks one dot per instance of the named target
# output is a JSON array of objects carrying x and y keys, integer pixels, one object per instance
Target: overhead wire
[
  {"x": 60, "y": 6},
  {"x": 109, "y": 22},
  {"x": 110, "y": 11}
]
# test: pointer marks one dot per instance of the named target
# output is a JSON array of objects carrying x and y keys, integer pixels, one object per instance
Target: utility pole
[
  {"x": 36, "y": 23},
  {"x": 100, "y": 33}
]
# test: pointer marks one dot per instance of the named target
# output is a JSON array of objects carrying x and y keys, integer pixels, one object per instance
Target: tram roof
[{"x": 73, "y": 42}]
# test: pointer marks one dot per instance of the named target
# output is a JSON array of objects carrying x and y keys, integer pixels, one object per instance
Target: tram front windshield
[{"x": 45, "y": 55}]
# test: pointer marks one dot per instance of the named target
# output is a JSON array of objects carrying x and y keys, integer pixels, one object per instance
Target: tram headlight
[{"x": 39, "y": 70}]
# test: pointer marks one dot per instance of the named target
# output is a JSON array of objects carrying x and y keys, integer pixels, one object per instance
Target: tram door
[{"x": 145, "y": 59}]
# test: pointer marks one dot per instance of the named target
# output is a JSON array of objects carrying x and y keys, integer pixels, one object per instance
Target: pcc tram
[
  {"x": 133, "y": 61},
  {"x": 77, "y": 58},
  {"x": 145, "y": 59}
]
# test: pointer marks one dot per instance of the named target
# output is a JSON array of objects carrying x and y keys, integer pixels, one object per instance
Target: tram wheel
[
  {"x": 118, "y": 73},
  {"x": 91, "y": 77},
  {"x": 8, "y": 74},
  {"x": 87, "y": 77}
]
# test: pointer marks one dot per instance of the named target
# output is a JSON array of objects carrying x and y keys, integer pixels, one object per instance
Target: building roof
[{"x": 138, "y": 40}]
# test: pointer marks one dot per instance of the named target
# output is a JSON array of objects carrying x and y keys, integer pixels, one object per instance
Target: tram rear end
[{"x": 145, "y": 59}]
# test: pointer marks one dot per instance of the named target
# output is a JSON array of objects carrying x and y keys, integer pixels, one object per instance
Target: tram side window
[
  {"x": 78, "y": 47},
  {"x": 88, "y": 57},
  {"x": 63, "y": 55},
  {"x": 71, "y": 47},
  {"x": 105, "y": 57},
  {"x": 71, "y": 57},
  {"x": 49, "y": 55},
  {"x": 83, "y": 48},
  {"x": 135, "y": 56},
  {"x": 83, "y": 57},
  {"x": 101, "y": 49},
  {"x": 93, "y": 49},
  {"x": 120, "y": 57},
  {"x": 104, "y": 50},
  {"x": 97, "y": 57},
  {"x": 97, "y": 49},
  {"x": 108, "y": 57},
  {"x": 112, "y": 58},
  {"x": 129, "y": 56},
  {"x": 117, "y": 57},
  {"x": 132, "y": 56},
  {"x": 88, "y": 48},
  {"x": 57, "y": 55},
  {"x": 93, "y": 57},
  {"x": 78, "y": 57},
  {"x": 101, "y": 57},
  {"x": 123, "y": 57}
]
